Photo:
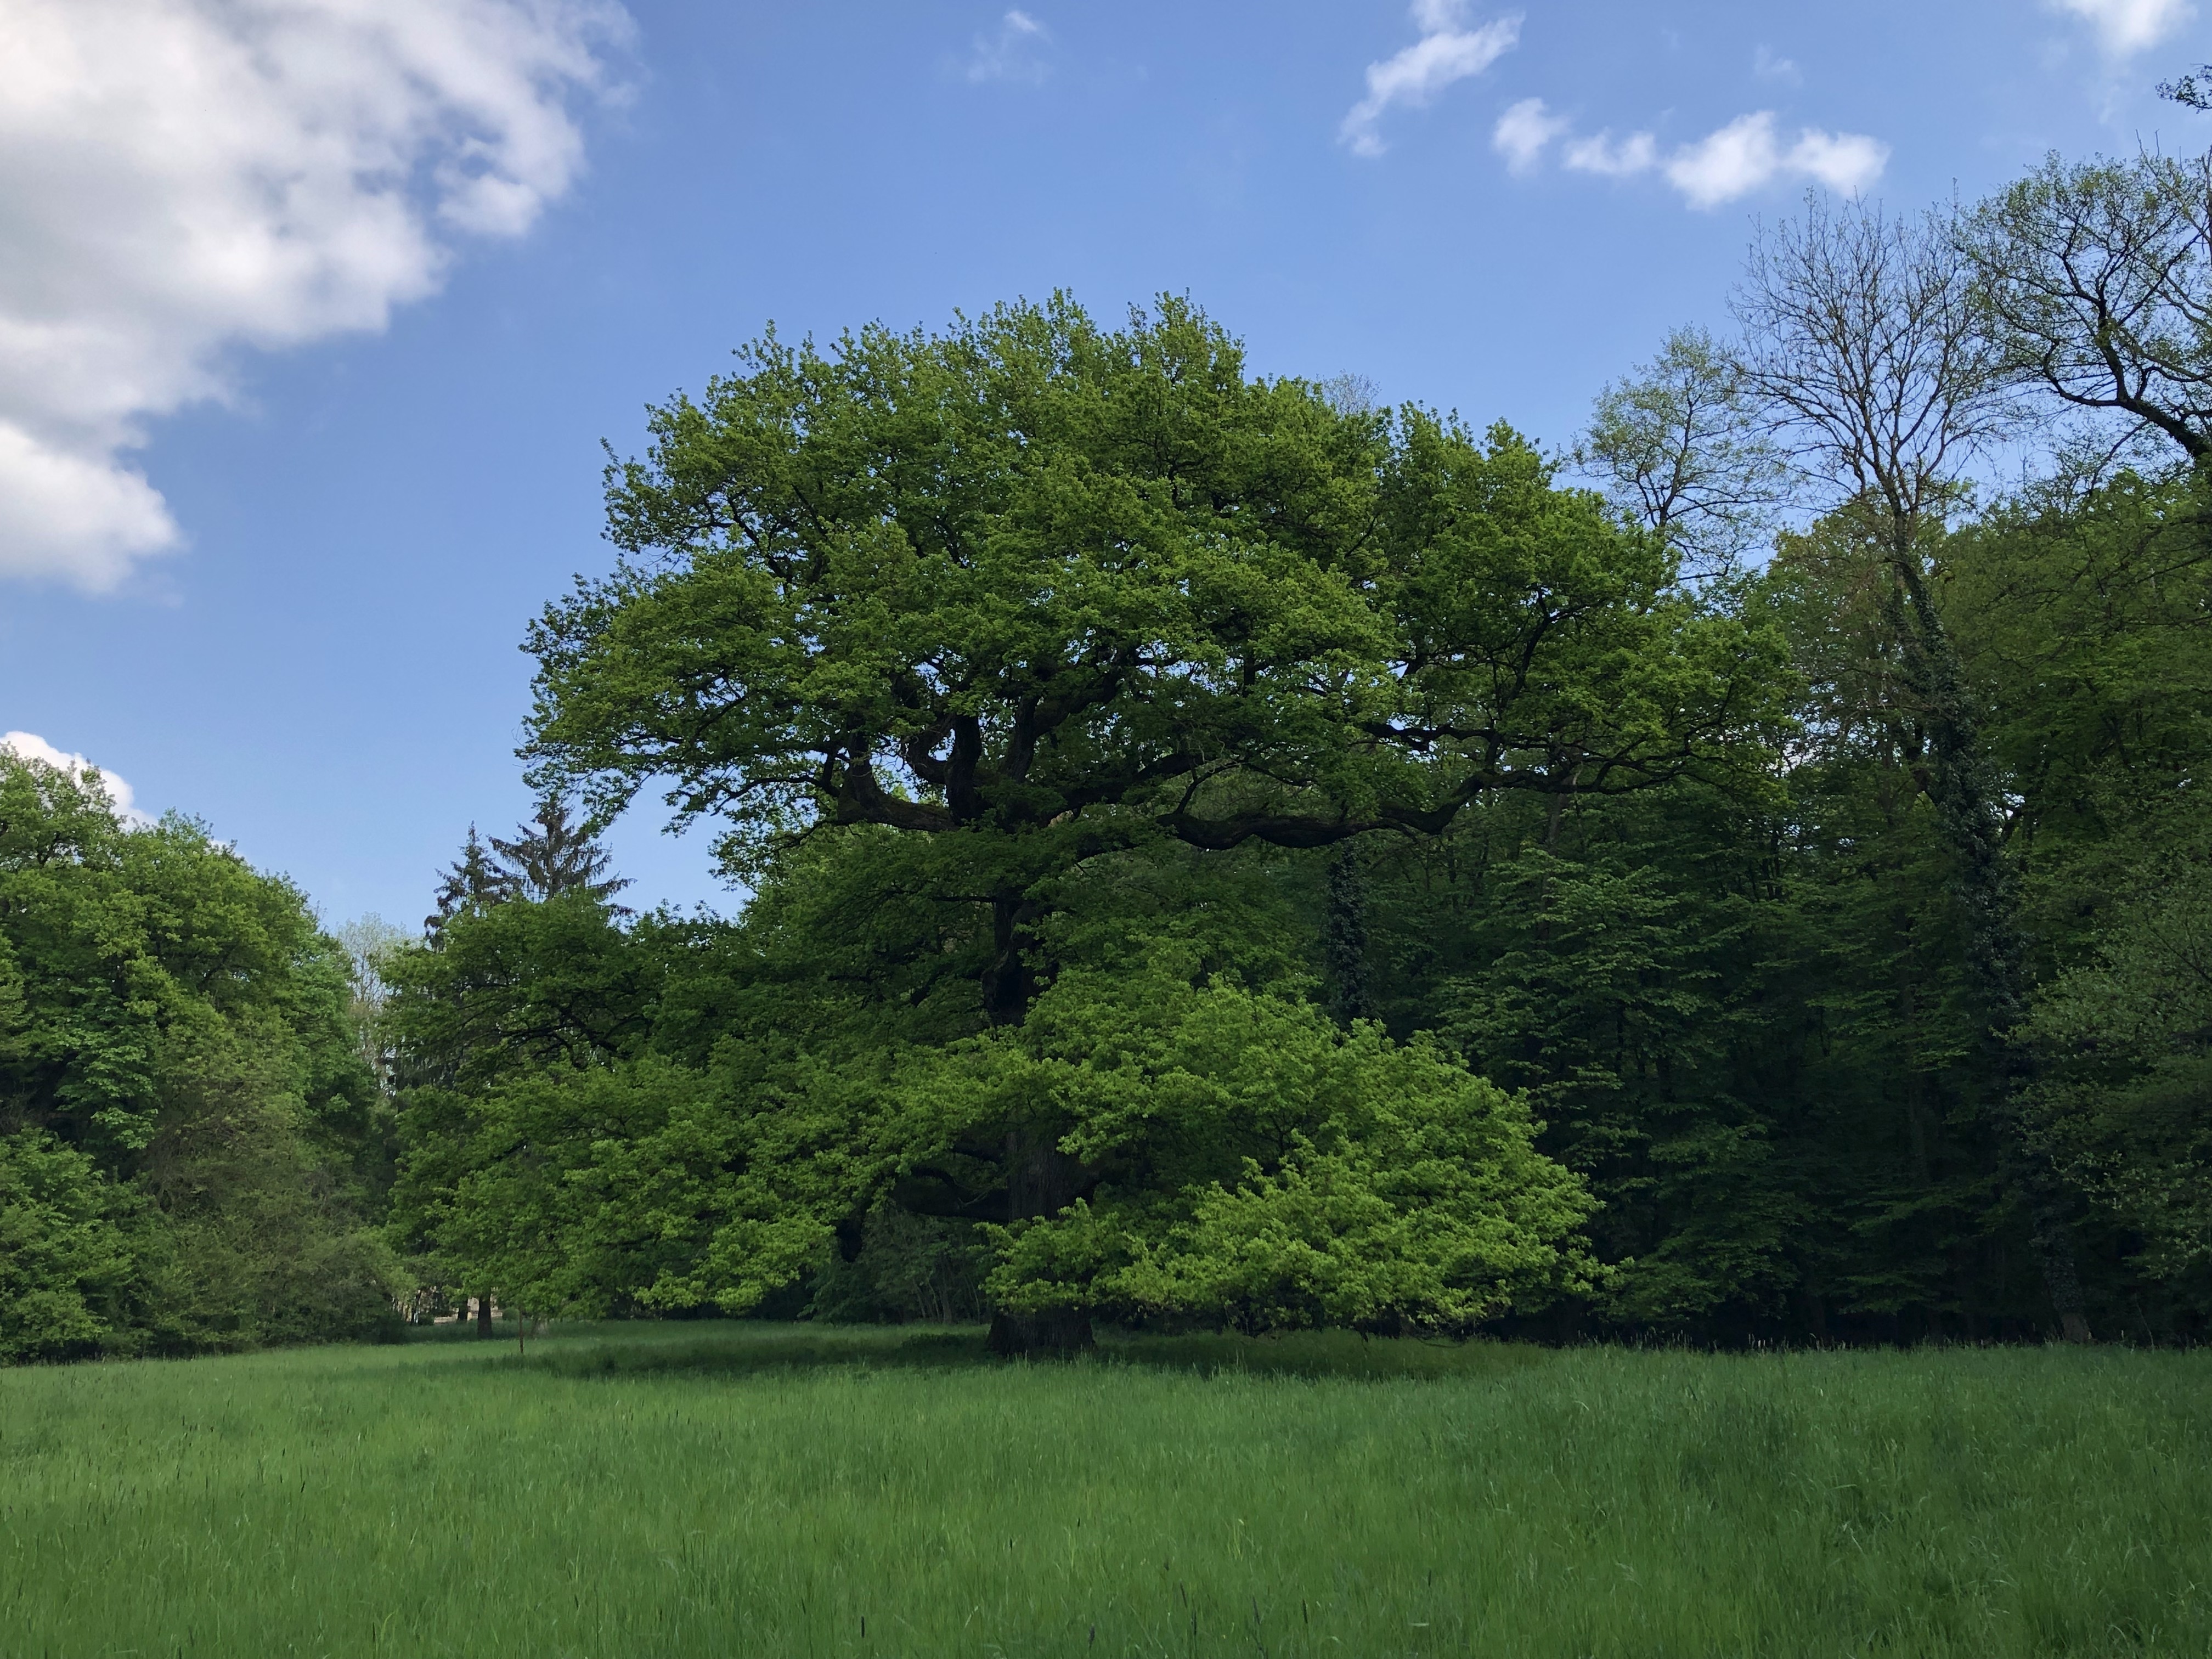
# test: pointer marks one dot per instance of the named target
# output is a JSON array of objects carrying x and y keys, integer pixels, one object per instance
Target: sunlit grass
[{"x": 742, "y": 1490}]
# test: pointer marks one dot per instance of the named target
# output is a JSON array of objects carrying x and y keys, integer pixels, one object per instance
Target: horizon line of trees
[{"x": 1223, "y": 852}]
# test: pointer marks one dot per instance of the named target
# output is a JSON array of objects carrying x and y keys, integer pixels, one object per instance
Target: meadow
[{"x": 619, "y": 1492}]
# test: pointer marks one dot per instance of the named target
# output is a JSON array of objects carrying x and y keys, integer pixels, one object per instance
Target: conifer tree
[{"x": 550, "y": 855}]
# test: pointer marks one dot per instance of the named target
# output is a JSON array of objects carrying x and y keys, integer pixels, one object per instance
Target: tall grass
[{"x": 751, "y": 1491}]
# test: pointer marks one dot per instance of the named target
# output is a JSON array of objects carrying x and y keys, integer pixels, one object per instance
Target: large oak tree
[
  {"x": 1061, "y": 588},
  {"x": 1042, "y": 592}
]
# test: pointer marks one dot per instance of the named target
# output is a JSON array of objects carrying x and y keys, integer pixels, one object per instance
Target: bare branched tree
[
  {"x": 1676, "y": 446},
  {"x": 1352, "y": 393},
  {"x": 2094, "y": 282},
  {"x": 1863, "y": 344},
  {"x": 368, "y": 943},
  {"x": 1863, "y": 349}
]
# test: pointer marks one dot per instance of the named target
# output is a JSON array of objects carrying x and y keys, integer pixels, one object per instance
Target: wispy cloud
[
  {"x": 1745, "y": 156},
  {"x": 2125, "y": 28},
  {"x": 1637, "y": 153},
  {"x": 1013, "y": 52},
  {"x": 29, "y": 745},
  {"x": 1522, "y": 132},
  {"x": 1769, "y": 65},
  {"x": 1446, "y": 52}
]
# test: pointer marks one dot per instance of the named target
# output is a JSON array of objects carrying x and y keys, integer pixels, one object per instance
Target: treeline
[{"x": 1221, "y": 852}]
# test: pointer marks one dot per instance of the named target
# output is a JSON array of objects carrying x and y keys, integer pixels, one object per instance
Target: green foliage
[
  {"x": 71, "y": 1271},
  {"x": 1678, "y": 446},
  {"x": 1610, "y": 983},
  {"x": 1088, "y": 717},
  {"x": 1221, "y": 853},
  {"x": 507, "y": 1019},
  {"x": 1065, "y": 585},
  {"x": 1333, "y": 1177},
  {"x": 181, "y": 1087},
  {"x": 2093, "y": 283},
  {"x": 1746, "y": 1017},
  {"x": 2088, "y": 601},
  {"x": 2128, "y": 1037},
  {"x": 1257, "y": 1167}
]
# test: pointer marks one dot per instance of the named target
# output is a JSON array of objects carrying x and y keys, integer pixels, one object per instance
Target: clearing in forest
[{"x": 621, "y": 1492}]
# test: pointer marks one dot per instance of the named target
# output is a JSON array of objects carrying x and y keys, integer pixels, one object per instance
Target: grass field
[{"x": 735, "y": 1490}]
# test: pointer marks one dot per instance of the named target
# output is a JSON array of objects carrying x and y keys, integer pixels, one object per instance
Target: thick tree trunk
[
  {"x": 1007, "y": 984},
  {"x": 1040, "y": 1181},
  {"x": 1041, "y": 1178},
  {"x": 484, "y": 1316}
]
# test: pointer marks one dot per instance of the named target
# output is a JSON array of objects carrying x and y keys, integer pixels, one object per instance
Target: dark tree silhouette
[
  {"x": 549, "y": 856},
  {"x": 467, "y": 886}
]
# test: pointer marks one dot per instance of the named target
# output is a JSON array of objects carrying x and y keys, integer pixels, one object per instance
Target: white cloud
[
  {"x": 1847, "y": 163},
  {"x": 1738, "y": 158},
  {"x": 1746, "y": 155},
  {"x": 31, "y": 747},
  {"x": 2126, "y": 27},
  {"x": 1523, "y": 131},
  {"x": 179, "y": 178},
  {"x": 1012, "y": 53},
  {"x": 1445, "y": 52},
  {"x": 1637, "y": 153}
]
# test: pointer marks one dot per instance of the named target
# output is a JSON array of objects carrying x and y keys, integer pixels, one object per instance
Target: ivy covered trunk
[{"x": 1957, "y": 778}]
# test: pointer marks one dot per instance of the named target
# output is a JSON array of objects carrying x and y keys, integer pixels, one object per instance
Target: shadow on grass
[
  {"x": 745, "y": 1348},
  {"x": 1321, "y": 1354}
]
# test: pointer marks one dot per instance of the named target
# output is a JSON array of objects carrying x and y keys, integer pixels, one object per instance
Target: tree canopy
[{"x": 1035, "y": 576}]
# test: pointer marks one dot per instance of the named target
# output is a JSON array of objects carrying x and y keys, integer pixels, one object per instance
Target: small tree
[
  {"x": 368, "y": 943},
  {"x": 523, "y": 965}
]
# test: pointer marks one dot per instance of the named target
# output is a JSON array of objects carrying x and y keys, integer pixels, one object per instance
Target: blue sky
[{"x": 306, "y": 352}]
